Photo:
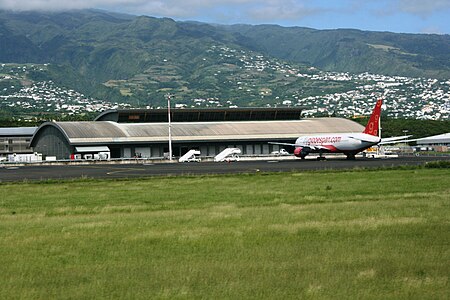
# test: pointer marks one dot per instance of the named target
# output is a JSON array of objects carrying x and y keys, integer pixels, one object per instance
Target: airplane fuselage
[
  {"x": 348, "y": 143},
  {"x": 334, "y": 143}
]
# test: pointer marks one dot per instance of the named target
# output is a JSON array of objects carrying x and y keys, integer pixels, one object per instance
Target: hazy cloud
[
  {"x": 431, "y": 30},
  {"x": 422, "y": 7},
  {"x": 413, "y": 7},
  {"x": 53, "y": 5},
  {"x": 253, "y": 9},
  {"x": 282, "y": 10},
  {"x": 143, "y": 6}
]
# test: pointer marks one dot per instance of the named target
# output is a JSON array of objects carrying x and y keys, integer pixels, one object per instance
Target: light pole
[{"x": 170, "y": 126}]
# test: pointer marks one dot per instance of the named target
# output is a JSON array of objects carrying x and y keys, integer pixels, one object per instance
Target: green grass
[{"x": 328, "y": 235}]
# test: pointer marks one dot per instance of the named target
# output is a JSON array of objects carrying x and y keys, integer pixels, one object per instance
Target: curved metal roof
[
  {"x": 17, "y": 131},
  {"x": 101, "y": 132}
]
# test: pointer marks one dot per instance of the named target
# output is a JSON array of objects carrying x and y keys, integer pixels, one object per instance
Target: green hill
[
  {"x": 137, "y": 58},
  {"x": 348, "y": 50}
]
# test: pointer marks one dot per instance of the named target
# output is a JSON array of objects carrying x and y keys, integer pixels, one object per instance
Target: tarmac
[{"x": 14, "y": 173}]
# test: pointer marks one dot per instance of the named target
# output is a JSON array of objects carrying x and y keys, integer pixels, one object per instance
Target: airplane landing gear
[{"x": 320, "y": 157}]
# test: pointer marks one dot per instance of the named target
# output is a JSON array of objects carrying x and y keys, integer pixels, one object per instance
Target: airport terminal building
[
  {"x": 145, "y": 133},
  {"x": 15, "y": 140},
  {"x": 440, "y": 143}
]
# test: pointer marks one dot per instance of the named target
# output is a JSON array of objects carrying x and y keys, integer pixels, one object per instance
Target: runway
[{"x": 36, "y": 173}]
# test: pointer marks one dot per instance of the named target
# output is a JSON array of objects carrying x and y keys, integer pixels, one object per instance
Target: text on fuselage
[{"x": 323, "y": 140}]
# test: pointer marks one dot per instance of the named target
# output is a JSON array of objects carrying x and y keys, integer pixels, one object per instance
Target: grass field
[{"x": 313, "y": 235}]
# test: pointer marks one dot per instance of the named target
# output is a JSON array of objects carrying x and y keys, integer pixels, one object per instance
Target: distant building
[
  {"x": 439, "y": 142},
  {"x": 150, "y": 140},
  {"x": 16, "y": 140},
  {"x": 200, "y": 115}
]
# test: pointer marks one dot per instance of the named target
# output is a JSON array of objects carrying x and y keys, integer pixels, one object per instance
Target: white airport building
[
  {"x": 440, "y": 143},
  {"x": 145, "y": 133}
]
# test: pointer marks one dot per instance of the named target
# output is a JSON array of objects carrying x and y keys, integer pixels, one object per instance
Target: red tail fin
[{"x": 373, "y": 125}]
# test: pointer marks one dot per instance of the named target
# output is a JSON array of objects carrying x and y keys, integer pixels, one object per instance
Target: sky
[{"x": 405, "y": 16}]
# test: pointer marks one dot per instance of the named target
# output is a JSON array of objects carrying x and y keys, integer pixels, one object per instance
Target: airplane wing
[
  {"x": 283, "y": 144},
  {"x": 366, "y": 138},
  {"x": 315, "y": 147},
  {"x": 396, "y": 139}
]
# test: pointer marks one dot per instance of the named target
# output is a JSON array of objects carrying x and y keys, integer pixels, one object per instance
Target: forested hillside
[
  {"x": 110, "y": 60},
  {"x": 92, "y": 47},
  {"x": 349, "y": 50}
]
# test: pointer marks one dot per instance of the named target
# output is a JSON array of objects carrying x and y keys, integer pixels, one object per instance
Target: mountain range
[{"x": 115, "y": 56}]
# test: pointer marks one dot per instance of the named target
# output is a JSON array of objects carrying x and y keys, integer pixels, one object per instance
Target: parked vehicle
[{"x": 280, "y": 152}]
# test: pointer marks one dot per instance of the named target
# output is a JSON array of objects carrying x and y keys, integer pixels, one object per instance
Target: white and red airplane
[{"x": 348, "y": 143}]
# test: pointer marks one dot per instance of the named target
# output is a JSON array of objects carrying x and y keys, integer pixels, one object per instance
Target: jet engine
[{"x": 301, "y": 152}]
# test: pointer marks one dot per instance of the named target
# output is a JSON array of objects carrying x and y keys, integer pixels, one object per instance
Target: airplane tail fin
[{"x": 374, "y": 121}]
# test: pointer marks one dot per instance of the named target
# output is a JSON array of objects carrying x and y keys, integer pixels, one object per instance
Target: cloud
[
  {"x": 420, "y": 8},
  {"x": 314, "y": 13},
  {"x": 288, "y": 10},
  {"x": 55, "y": 5},
  {"x": 147, "y": 6},
  {"x": 423, "y": 8},
  {"x": 258, "y": 10},
  {"x": 431, "y": 30}
]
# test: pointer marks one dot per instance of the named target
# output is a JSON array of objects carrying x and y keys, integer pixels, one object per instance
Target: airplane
[{"x": 348, "y": 143}]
